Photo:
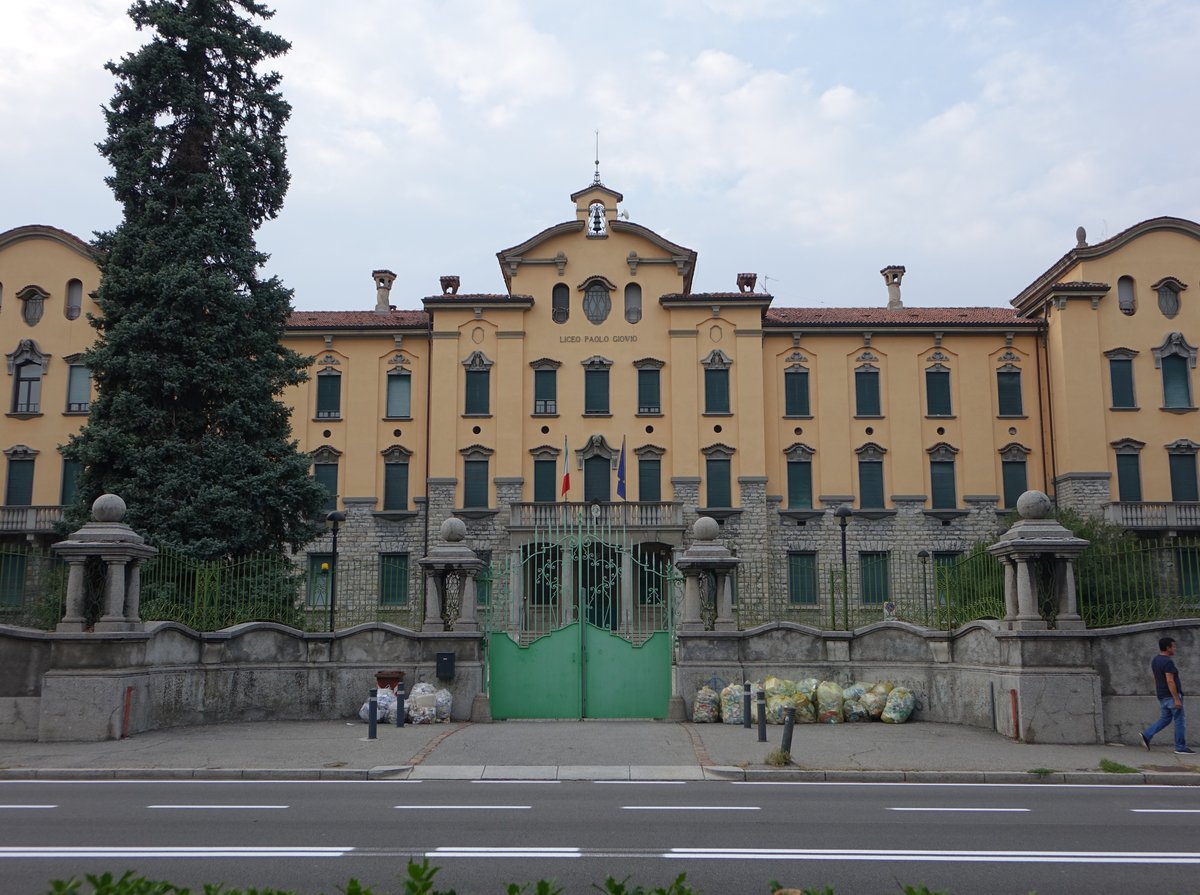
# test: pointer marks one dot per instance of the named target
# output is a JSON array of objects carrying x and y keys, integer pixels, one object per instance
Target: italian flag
[{"x": 566, "y": 476}]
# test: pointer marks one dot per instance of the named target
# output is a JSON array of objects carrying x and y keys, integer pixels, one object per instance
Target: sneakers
[
  {"x": 1145, "y": 741},
  {"x": 1184, "y": 751}
]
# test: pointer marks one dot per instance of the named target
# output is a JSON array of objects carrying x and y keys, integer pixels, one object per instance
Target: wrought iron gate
[{"x": 580, "y": 622}]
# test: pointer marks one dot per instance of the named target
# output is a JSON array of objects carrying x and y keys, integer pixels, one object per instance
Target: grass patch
[
  {"x": 1041, "y": 772},
  {"x": 1115, "y": 767},
  {"x": 778, "y": 758}
]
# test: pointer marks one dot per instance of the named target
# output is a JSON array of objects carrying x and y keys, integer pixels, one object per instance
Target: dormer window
[{"x": 597, "y": 221}]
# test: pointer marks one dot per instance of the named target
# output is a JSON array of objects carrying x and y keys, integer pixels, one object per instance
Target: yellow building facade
[{"x": 600, "y": 364}]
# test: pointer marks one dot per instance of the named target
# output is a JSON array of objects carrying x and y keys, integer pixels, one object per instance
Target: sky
[{"x": 812, "y": 142}]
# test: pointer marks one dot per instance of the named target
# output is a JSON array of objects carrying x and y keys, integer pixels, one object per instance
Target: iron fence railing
[{"x": 1135, "y": 582}]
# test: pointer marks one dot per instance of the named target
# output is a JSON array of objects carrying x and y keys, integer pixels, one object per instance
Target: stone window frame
[
  {"x": 477, "y": 362},
  {"x": 799, "y": 452},
  {"x": 943, "y": 452},
  {"x": 328, "y": 455},
  {"x": 33, "y": 304},
  {"x": 1175, "y": 344},
  {"x": 1182, "y": 447},
  {"x": 1009, "y": 364},
  {"x": 718, "y": 361},
  {"x": 26, "y": 354},
  {"x": 1122, "y": 353},
  {"x": 1128, "y": 447},
  {"x": 327, "y": 372},
  {"x": 649, "y": 363},
  {"x": 398, "y": 455},
  {"x": 869, "y": 362},
  {"x": 872, "y": 452},
  {"x": 720, "y": 451},
  {"x": 594, "y": 303},
  {"x": 1169, "y": 291},
  {"x": 75, "y": 362},
  {"x": 19, "y": 453},
  {"x": 652, "y": 452},
  {"x": 1013, "y": 452},
  {"x": 399, "y": 367},
  {"x": 597, "y": 364},
  {"x": 935, "y": 364},
  {"x": 597, "y": 446},
  {"x": 542, "y": 364},
  {"x": 799, "y": 362},
  {"x": 476, "y": 453}
]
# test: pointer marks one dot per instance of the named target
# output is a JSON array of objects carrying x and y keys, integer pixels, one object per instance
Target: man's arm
[{"x": 1171, "y": 677}]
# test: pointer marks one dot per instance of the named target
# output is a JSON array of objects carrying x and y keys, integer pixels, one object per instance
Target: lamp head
[{"x": 843, "y": 514}]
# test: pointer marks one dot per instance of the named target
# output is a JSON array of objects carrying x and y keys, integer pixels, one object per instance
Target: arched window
[
  {"x": 74, "y": 299},
  {"x": 560, "y": 303},
  {"x": 596, "y": 303},
  {"x": 1126, "y": 297},
  {"x": 633, "y": 303}
]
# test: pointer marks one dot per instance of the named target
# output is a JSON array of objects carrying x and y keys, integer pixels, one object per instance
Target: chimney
[
  {"x": 892, "y": 275},
  {"x": 746, "y": 281},
  {"x": 383, "y": 290},
  {"x": 450, "y": 284}
]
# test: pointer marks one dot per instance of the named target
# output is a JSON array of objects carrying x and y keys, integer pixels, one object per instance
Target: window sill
[
  {"x": 75, "y": 413},
  {"x": 940, "y": 416},
  {"x": 544, "y": 416},
  {"x": 873, "y": 514},
  {"x": 477, "y": 416},
  {"x": 649, "y": 413},
  {"x": 474, "y": 513},
  {"x": 801, "y": 515},
  {"x": 326, "y": 419},
  {"x": 1166, "y": 409},
  {"x": 601, "y": 414},
  {"x": 945, "y": 515},
  {"x": 395, "y": 515},
  {"x": 1011, "y": 416},
  {"x": 1124, "y": 409},
  {"x": 717, "y": 413},
  {"x": 868, "y": 416},
  {"x": 24, "y": 415},
  {"x": 398, "y": 418},
  {"x": 719, "y": 513},
  {"x": 797, "y": 416}
]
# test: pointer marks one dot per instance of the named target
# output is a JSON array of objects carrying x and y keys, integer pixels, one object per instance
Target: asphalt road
[{"x": 727, "y": 837}]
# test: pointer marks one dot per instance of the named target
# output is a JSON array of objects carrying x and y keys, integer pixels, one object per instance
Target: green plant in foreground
[
  {"x": 1115, "y": 767},
  {"x": 1041, "y": 772},
  {"x": 615, "y": 887},
  {"x": 778, "y": 758}
]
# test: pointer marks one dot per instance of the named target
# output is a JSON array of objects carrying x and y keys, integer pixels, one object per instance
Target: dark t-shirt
[{"x": 1162, "y": 666}]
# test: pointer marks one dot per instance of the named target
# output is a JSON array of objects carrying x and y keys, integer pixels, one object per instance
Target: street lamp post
[
  {"x": 843, "y": 514},
  {"x": 923, "y": 556},
  {"x": 334, "y": 519}
]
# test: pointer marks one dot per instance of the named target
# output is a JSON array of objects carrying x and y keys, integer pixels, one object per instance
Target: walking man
[{"x": 1169, "y": 691}]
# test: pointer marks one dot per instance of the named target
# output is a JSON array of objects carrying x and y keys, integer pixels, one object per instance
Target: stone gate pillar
[
  {"x": 450, "y": 566},
  {"x": 706, "y": 556}
]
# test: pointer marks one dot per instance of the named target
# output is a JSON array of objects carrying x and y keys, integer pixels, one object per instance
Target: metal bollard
[
  {"x": 762, "y": 716},
  {"x": 372, "y": 712},
  {"x": 400, "y": 704},
  {"x": 746, "y": 705},
  {"x": 789, "y": 721}
]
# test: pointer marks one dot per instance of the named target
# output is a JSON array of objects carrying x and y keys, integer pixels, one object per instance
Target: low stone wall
[{"x": 74, "y": 686}]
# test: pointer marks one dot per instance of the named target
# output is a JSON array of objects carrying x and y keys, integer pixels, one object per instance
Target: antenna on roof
[{"x": 596, "y": 179}]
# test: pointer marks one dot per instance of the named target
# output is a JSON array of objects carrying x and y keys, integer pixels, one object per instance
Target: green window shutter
[
  {"x": 866, "y": 392},
  {"x": 70, "y": 482},
  {"x": 327, "y": 475},
  {"x": 717, "y": 479},
  {"x": 399, "y": 395},
  {"x": 648, "y": 391},
  {"x": 649, "y": 479},
  {"x": 320, "y": 577},
  {"x": 329, "y": 395},
  {"x": 870, "y": 484},
  {"x": 79, "y": 389},
  {"x": 478, "y": 398},
  {"x": 1183, "y": 477},
  {"x": 799, "y": 484},
  {"x": 1008, "y": 387},
  {"x": 1177, "y": 391},
  {"x": 1120, "y": 371},
  {"x": 873, "y": 574},
  {"x": 393, "y": 579},
  {"x": 595, "y": 391},
  {"x": 597, "y": 479},
  {"x": 545, "y": 481},
  {"x": 941, "y": 482},
  {"x": 395, "y": 486},
  {"x": 475, "y": 483},
  {"x": 545, "y": 391},
  {"x": 1015, "y": 481},
  {"x": 937, "y": 392},
  {"x": 802, "y": 579},
  {"x": 19, "y": 489},
  {"x": 12, "y": 580},
  {"x": 795, "y": 393},
  {"x": 1129, "y": 478},
  {"x": 716, "y": 391}
]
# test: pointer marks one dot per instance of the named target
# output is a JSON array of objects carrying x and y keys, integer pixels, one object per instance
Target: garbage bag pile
[
  {"x": 424, "y": 705},
  {"x": 824, "y": 702}
]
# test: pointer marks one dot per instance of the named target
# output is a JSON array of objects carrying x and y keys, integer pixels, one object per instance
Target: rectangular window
[
  {"x": 545, "y": 391},
  {"x": 1015, "y": 481},
  {"x": 327, "y": 475},
  {"x": 870, "y": 484},
  {"x": 802, "y": 579},
  {"x": 478, "y": 398},
  {"x": 18, "y": 491},
  {"x": 866, "y": 392},
  {"x": 475, "y": 484},
  {"x": 79, "y": 389},
  {"x": 717, "y": 480},
  {"x": 1120, "y": 372},
  {"x": 395, "y": 486},
  {"x": 649, "y": 479},
  {"x": 320, "y": 579},
  {"x": 27, "y": 393},
  {"x": 399, "y": 396},
  {"x": 874, "y": 577},
  {"x": 12, "y": 580},
  {"x": 1183, "y": 477},
  {"x": 545, "y": 481},
  {"x": 799, "y": 485},
  {"x": 941, "y": 483},
  {"x": 795, "y": 393},
  {"x": 595, "y": 391},
  {"x": 937, "y": 392},
  {"x": 716, "y": 391},
  {"x": 393, "y": 579},
  {"x": 1008, "y": 388},
  {"x": 70, "y": 482},
  {"x": 648, "y": 391},
  {"x": 1129, "y": 478},
  {"x": 329, "y": 396},
  {"x": 1177, "y": 389}
]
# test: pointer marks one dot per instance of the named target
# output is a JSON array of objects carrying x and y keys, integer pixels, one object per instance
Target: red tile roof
[
  {"x": 977, "y": 316},
  {"x": 358, "y": 320},
  {"x": 717, "y": 296},
  {"x": 489, "y": 297}
]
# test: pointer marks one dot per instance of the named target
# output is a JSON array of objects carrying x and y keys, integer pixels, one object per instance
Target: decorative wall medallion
[
  {"x": 477, "y": 335},
  {"x": 715, "y": 333}
]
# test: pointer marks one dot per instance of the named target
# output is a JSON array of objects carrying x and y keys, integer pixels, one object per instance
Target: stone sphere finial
[
  {"x": 453, "y": 530},
  {"x": 1034, "y": 505},
  {"x": 108, "y": 508},
  {"x": 705, "y": 529}
]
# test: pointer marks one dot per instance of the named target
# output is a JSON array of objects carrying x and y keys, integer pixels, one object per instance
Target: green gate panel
[
  {"x": 626, "y": 681},
  {"x": 536, "y": 681}
]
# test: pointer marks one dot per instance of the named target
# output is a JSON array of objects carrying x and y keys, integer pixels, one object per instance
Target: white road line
[
  {"x": 517, "y": 852},
  {"x": 1044, "y": 787},
  {"x": 1013, "y": 810},
  {"x": 690, "y": 808},
  {"x": 27, "y": 806},
  {"x": 464, "y": 807},
  {"x": 167, "y": 851},
  {"x": 1160, "y": 810},
  {"x": 223, "y": 807},
  {"x": 517, "y": 781},
  {"x": 643, "y": 782},
  {"x": 997, "y": 857}
]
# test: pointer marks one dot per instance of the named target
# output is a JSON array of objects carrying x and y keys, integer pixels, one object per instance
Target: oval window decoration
[
  {"x": 33, "y": 301},
  {"x": 1168, "y": 300},
  {"x": 596, "y": 303}
]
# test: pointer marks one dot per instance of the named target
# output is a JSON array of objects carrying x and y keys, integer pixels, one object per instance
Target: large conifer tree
[{"x": 189, "y": 364}]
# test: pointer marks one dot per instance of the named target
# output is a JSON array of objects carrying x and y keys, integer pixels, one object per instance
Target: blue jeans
[{"x": 1169, "y": 714}]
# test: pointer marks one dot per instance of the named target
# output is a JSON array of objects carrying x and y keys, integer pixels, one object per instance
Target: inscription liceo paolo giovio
[{"x": 597, "y": 338}]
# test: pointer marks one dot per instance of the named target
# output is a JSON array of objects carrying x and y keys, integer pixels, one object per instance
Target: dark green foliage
[
  {"x": 1115, "y": 577},
  {"x": 614, "y": 887},
  {"x": 189, "y": 363}
]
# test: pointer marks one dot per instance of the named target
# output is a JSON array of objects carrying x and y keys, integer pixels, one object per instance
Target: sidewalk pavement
[{"x": 590, "y": 750}]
